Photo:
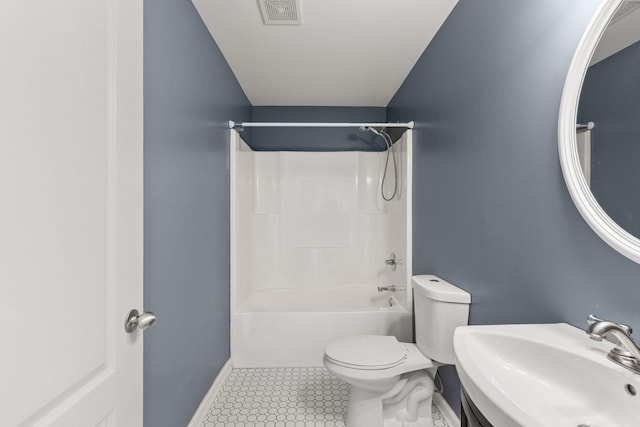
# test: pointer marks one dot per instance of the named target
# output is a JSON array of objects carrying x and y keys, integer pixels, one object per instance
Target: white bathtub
[{"x": 291, "y": 327}]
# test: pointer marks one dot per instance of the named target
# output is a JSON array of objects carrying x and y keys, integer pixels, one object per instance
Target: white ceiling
[
  {"x": 621, "y": 33},
  {"x": 345, "y": 52}
]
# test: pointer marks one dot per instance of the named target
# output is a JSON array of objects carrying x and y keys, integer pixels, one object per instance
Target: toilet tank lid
[{"x": 438, "y": 289}]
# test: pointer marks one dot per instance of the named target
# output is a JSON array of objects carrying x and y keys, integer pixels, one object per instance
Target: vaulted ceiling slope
[{"x": 344, "y": 53}]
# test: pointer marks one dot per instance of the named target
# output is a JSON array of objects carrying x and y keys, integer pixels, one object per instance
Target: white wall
[{"x": 316, "y": 220}]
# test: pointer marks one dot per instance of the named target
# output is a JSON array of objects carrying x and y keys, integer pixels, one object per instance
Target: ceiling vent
[{"x": 280, "y": 12}]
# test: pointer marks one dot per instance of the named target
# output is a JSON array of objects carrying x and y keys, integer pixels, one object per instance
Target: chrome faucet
[
  {"x": 626, "y": 353},
  {"x": 391, "y": 288},
  {"x": 393, "y": 261}
]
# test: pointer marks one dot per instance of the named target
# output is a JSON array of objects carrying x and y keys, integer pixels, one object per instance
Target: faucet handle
[
  {"x": 594, "y": 319},
  {"x": 393, "y": 261}
]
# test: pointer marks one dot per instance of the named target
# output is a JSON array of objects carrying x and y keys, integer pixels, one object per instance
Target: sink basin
[{"x": 545, "y": 375}]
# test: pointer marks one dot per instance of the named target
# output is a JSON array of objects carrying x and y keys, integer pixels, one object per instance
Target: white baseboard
[
  {"x": 447, "y": 413},
  {"x": 201, "y": 412}
]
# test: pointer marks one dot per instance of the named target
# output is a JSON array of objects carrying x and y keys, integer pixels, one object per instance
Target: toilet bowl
[
  {"x": 391, "y": 381},
  {"x": 374, "y": 366}
]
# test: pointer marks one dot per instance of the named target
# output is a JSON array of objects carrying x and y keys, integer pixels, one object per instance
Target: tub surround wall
[
  {"x": 310, "y": 237},
  {"x": 493, "y": 214},
  {"x": 316, "y": 139},
  {"x": 190, "y": 93},
  {"x": 315, "y": 220}
]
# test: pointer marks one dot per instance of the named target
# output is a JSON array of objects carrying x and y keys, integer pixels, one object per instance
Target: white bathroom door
[{"x": 70, "y": 212}]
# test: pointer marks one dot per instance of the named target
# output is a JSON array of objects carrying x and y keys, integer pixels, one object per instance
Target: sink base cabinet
[{"x": 470, "y": 415}]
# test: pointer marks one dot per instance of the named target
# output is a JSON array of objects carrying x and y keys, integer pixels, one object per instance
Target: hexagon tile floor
[{"x": 284, "y": 397}]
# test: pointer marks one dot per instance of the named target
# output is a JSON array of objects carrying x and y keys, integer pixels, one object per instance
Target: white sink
[{"x": 544, "y": 375}]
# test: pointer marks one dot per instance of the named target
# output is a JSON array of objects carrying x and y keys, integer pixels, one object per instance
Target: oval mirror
[{"x": 599, "y": 126}]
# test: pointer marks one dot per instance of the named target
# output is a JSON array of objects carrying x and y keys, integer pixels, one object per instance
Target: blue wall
[
  {"x": 611, "y": 98},
  {"x": 190, "y": 93},
  {"x": 316, "y": 139},
  {"x": 491, "y": 210}
]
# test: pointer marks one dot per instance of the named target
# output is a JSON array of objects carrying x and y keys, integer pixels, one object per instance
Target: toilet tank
[{"x": 439, "y": 308}]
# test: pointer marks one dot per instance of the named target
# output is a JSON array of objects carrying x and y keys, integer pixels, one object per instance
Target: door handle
[{"x": 137, "y": 320}]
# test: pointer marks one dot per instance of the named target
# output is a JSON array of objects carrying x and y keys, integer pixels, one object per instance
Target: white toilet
[{"x": 392, "y": 382}]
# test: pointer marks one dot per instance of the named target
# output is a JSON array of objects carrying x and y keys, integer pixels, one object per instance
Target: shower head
[{"x": 370, "y": 129}]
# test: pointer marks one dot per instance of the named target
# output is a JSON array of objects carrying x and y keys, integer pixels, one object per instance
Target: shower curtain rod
[
  {"x": 588, "y": 126},
  {"x": 233, "y": 125}
]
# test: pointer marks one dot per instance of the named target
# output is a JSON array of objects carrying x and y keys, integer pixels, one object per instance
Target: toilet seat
[{"x": 367, "y": 352}]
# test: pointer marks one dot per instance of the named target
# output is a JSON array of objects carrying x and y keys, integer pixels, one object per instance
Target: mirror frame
[{"x": 608, "y": 230}]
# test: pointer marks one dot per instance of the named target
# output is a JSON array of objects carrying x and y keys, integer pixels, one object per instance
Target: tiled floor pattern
[{"x": 284, "y": 397}]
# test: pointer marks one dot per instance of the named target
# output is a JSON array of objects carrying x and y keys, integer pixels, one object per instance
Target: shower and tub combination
[{"x": 320, "y": 247}]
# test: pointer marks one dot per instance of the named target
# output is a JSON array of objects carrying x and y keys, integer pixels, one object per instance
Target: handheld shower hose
[{"x": 390, "y": 152}]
